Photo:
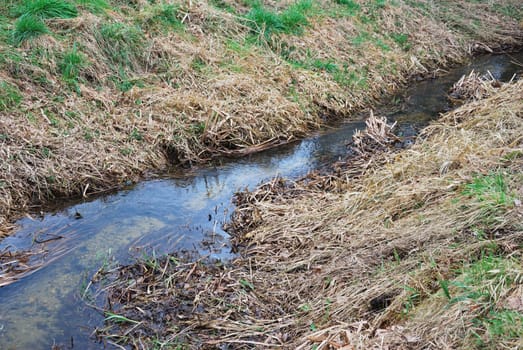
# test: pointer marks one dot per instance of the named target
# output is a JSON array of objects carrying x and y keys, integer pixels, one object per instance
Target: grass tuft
[
  {"x": 28, "y": 27},
  {"x": 163, "y": 18},
  {"x": 71, "y": 66},
  {"x": 10, "y": 96},
  {"x": 47, "y": 9},
  {"x": 290, "y": 21},
  {"x": 122, "y": 44}
]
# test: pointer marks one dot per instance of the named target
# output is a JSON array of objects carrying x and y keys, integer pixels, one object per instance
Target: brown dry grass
[
  {"x": 360, "y": 267},
  {"x": 206, "y": 90}
]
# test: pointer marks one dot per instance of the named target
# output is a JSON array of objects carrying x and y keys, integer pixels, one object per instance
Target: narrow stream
[{"x": 183, "y": 212}]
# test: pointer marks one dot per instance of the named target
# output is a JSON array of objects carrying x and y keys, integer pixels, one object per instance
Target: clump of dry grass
[
  {"x": 473, "y": 87},
  {"x": 383, "y": 263},
  {"x": 378, "y": 135}
]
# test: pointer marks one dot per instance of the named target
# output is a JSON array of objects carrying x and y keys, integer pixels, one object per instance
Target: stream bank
[{"x": 420, "y": 250}]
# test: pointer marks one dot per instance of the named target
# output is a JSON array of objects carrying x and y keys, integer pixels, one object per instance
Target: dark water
[{"x": 183, "y": 212}]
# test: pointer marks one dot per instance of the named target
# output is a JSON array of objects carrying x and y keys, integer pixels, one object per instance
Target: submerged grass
[{"x": 380, "y": 253}]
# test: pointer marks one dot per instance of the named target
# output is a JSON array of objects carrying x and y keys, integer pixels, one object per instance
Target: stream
[{"x": 182, "y": 211}]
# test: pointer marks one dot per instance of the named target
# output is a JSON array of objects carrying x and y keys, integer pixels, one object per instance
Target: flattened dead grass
[{"x": 389, "y": 261}]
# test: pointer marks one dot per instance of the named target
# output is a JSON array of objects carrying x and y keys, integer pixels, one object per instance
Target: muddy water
[{"x": 183, "y": 212}]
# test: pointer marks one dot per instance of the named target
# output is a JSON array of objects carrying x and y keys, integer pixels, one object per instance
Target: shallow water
[{"x": 183, "y": 212}]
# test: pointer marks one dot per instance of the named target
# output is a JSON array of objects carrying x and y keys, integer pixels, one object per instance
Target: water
[{"x": 181, "y": 212}]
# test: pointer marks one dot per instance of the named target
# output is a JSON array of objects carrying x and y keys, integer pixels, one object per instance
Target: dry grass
[
  {"x": 361, "y": 265},
  {"x": 188, "y": 95},
  {"x": 473, "y": 87}
]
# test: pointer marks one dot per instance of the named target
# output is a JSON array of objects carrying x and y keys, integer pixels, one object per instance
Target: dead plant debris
[{"x": 406, "y": 256}]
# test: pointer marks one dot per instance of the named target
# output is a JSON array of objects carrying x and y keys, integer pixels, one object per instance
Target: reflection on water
[{"x": 184, "y": 212}]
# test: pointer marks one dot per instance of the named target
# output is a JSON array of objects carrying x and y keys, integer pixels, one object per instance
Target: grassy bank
[
  {"x": 418, "y": 248},
  {"x": 94, "y": 93}
]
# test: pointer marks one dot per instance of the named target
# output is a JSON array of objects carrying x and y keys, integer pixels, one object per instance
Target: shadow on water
[{"x": 184, "y": 212}]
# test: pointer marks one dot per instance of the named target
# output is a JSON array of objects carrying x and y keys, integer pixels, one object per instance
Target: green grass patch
[
  {"x": 481, "y": 284},
  {"x": 402, "y": 40},
  {"x": 125, "y": 83},
  {"x": 349, "y": 3},
  {"x": 93, "y": 6},
  {"x": 122, "y": 44},
  {"x": 289, "y": 21},
  {"x": 341, "y": 73},
  {"x": 346, "y": 8},
  {"x": 162, "y": 18},
  {"x": 71, "y": 66},
  {"x": 491, "y": 190},
  {"x": 504, "y": 325},
  {"x": 5, "y": 24},
  {"x": 241, "y": 48},
  {"x": 360, "y": 39},
  {"x": 28, "y": 27},
  {"x": 46, "y": 9},
  {"x": 490, "y": 196},
  {"x": 10, "y": 96},
  {"x": 512, "y": 11}
]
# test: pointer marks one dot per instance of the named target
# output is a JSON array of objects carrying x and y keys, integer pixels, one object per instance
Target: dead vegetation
[
  {"x": 109, "y": 95},
  {"x": 473, "y": 87},
  {"x": 378, "y": 136},
  {"x": 419, "y": 251},
  {"x": 15, "y": 265}
]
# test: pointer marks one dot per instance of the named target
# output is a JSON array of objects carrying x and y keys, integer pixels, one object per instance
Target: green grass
[
  {"x": 223, "y": 5},
  {"x": 28, "y": 27},
  {"x": 349, "y": 3},
  {"x": 241, "y": 48},
  {"x": 46, "y": 9},
  {"x": 289, "y": 21},
  {"x": 346, "y": 8},
  {"x": 125, "y": 83},
  {"x": 513, "y": 11},
  {"x": 71, "y": 66},
  {"x": 483, "y": 280},
  {"x": 349, "y": 78},
  {"x": 505, "y": 325},
  {"x": 490, "y": 196},
  {"x": 10, "y": 96},
  {"x": 481, "y": 285},
  {"x": 328, "y": 66},
  {"x": 5, "y": 24},
  {"x": 93, "y": 6},
  {"x": 491, "y": 190},
  {"x": 402, "y": 40},
  {"x": 162, "y": 18},
  {"x": 361, "y": 38},
  {"x": 123, "y": 44},
  {"x": 118, "y": 318},
  {"x": 340, "y": 72}
]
